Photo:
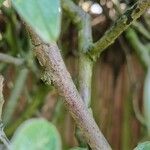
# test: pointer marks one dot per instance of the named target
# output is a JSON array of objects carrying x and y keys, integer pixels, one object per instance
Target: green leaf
[
  {"x": 36, "y": 134},
  {"x": 43, "y": 16},
  {"x": 143, "y": 146}
]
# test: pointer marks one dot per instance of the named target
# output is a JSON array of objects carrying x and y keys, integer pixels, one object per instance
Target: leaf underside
[{"x": 44, "y": 16}]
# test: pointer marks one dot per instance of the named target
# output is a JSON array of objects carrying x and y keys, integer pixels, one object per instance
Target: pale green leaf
[
  {"x": 36, "y": 134},
  {"x": 42, "y": 15},
  {"x": 143, "y": 146}
]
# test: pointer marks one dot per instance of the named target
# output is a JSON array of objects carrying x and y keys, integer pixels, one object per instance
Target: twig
[
  {"x": 133, "y": 39},
  {"x": 11, "y": 60},
  {"x": 55, "y": 70},
  {"x": 83, "y": 23},
  {"x": 140, "y": 49},
  {"x": 1, "y": 95},
  {"x": 138, "y": 114},
  {"x": 3, "y": 137},
  {"x": 15, "y": 94},
  {"x": 143, "y": 54},
  {"x": 146, "y": 97},
  {"x": 119, "y": 26},
  {"x": 134, "y": 86},
  {"x": 140, "y": 28},
  {"x": 31, "y": 109}
]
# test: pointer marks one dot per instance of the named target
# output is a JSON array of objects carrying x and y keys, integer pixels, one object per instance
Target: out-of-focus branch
[
  {"x": 15, "y": 94},
  {"x": 1, "y": 95},
  {"x": 138, "y": 114},
  {"x": 3, "y": 137},
  {"x": 143, "y": 54},
  {"x": 140, "y": 49},
  {"x": 11, "y": 60},
  {"x": 140, "y": 28},
  {"x": 83, "y": 23},
  {"x": 55, "y": 70},
  {"x": 119, "y": 26},
  {"x": 146, "y": 102},
  {"x": 134, "y": 85},
  {"x": 31, "y": 109}
]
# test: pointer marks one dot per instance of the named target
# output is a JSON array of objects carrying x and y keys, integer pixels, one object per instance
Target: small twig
[
  {"x": 134, "y": 86},
  {"x": 1, "y": 95},
  {"x": 140, "y": 28},
  {"x": 119, "y": 26},
  {"x": 30, "y": 110},
  {"x": 136, "y": 108},
  {"x": 3, "y": 137},
  {"x": 141, "y": 51},
  {"x": 146, "y": 98},
  {"x": 128, "y": 59},
  {"x": 14, "y": 97},
  {"x": 10, "y": 59}
]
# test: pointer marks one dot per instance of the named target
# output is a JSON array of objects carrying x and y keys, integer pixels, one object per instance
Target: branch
[
  {"x": 119, "y": 26},
  {"x": 1, "y": 95},
  {"x": 15, "y": 94},
  {"x": 141, "y": 51},
  {"x": 3, "y": 137},
  {"x": 83, "y": 22},
  {"x": 30, "y": 110},
  {"x": 55, "y": 70},
  {"x": 11, "y": 60},
  {"x": 135, "y": 86},
  {"x": 141, "y": 29}
]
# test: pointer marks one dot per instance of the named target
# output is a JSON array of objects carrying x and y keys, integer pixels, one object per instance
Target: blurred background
[{"x": 118, "y": 76}]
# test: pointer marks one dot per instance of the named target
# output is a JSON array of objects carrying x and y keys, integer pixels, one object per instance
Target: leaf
[
  {"x": 43, "y": 16},
  {"x": 143, "y": 146},
  {"x": 36, "y": 134}
]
